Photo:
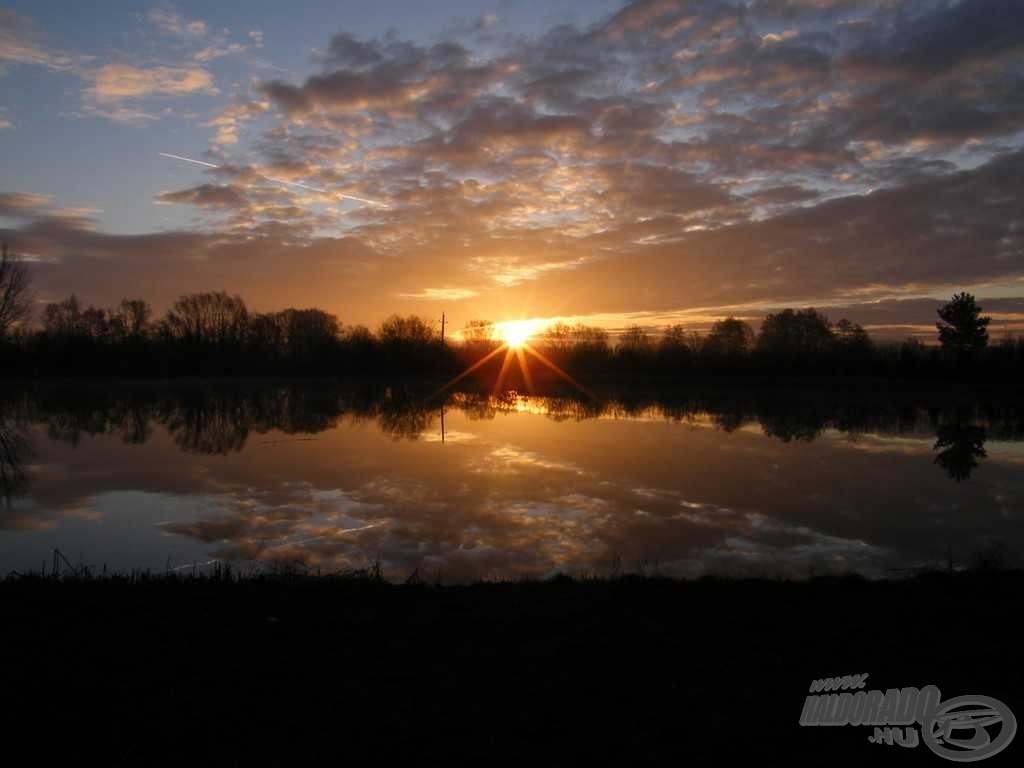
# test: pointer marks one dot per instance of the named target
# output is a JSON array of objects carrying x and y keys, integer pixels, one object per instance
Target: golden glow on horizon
[{"x": 515, "y": 333}]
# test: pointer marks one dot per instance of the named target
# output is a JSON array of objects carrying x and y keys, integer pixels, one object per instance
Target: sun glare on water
[{"x": 516, "y": 333}]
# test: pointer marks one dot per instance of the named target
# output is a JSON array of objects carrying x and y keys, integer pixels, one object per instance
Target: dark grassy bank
[{"x": 341, "y": 670}]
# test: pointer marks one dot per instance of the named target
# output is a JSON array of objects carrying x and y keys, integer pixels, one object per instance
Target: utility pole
[{"x": 442, "y": 327}]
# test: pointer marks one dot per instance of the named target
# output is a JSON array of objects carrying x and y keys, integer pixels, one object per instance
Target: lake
[{"x": 455, "y": 487}]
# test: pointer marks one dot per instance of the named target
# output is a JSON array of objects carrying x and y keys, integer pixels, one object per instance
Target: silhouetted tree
[
  {"x": 64, "y": 319},
  {"x": 728, "y": 340},
  {"x": 406, "y": 330},
  {"x": 358, "y": 336},
  {"x": 677, "y": 348},
  {"x": 792, "y": 336},
  {"x": 478, "y": 332},
  {"x": 963, "y": 332},
  {"x": 215, "y": 319},
  {"x": 309, "y": 335},
  {"x": 15, "y": 292},
  {"x": 478, "y": 341},
  {"x": 635, "y": 348},
  {"x": 134, "y": 316},
  {"x": 215, "y": 334},
  {"x": 853, "y": 345},
  {"x": 96, "y": 324},
  {"x": 589, "y": 347}
]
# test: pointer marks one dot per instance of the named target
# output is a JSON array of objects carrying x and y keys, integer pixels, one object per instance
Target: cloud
[
  {"x": 440, "y": 294},
  {"x": 108, "y": 85},
  {"x": 939, "y": 40},
  {"x": 20, "y": 204},
  {"x": 20, "y": 43},
  {"x": 388, "y": 75},
  {"x": 172, "y": 23},
  {"x": 206, "y": 196},
  {"x": 212, "y": 52},
  {"x": 116, "y": 82},
  {"x": 229, "y": 120},
  {"x": 117, "y": 114}
]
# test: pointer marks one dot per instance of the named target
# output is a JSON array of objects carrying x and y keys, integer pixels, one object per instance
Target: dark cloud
[
  {"x": 206, "y": 196},
  {"x": 788, "y": 193},
  {"x": 943, "y": 39},
  {"x": 387, "y": 75}
]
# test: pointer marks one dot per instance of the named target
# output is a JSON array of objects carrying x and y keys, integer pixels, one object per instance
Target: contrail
[
  {"x": 189, "y": 160},
  {"x": 282, "y": 181}
]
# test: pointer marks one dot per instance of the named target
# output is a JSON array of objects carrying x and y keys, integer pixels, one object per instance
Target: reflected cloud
[{"x": 712, "y": 482}]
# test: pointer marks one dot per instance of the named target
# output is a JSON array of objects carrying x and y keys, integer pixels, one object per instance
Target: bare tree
[
  {"x": 15, "y": 291},
  {"x": 207, "y": 318},
  {"x": 134, "y": 316}
]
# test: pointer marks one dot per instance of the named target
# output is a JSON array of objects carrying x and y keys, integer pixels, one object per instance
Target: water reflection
[
  {"x": 960, "y": 445},
  {"x": 775, "y": 483},
  {"x": 15, "y": 450}
]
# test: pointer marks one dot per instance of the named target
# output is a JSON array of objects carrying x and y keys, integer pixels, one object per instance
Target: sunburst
[{"x": 515, "y": 336}]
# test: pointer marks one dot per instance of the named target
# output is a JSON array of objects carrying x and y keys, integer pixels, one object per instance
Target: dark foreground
[{"x": 625, "y": 672}]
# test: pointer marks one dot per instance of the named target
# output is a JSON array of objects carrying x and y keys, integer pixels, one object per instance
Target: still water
[{"x": 466, "y": 486}]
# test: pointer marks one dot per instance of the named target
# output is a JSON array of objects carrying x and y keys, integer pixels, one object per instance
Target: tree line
[{"x": 216, "y": 334}]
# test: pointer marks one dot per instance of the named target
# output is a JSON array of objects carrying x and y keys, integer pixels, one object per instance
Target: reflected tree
[
  {"x": 209, "y": 424},
  {"x": 219, "y": 418},
  {"x": 15, "y": 450},
  {"x": 960, "y": 445},
  {"x": 404, "y": 416}
]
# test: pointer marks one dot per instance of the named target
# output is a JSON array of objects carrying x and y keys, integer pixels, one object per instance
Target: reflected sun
[{"x": 516, "y": 333}]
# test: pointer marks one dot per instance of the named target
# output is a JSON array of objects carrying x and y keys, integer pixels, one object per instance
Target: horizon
[
  {"x": 516, "y": 331},
  {"x": 613, "y": 164}
]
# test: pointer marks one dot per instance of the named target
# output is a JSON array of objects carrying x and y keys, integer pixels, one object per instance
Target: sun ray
[
  {"x": 465, "y": 373},
  {"x": 505, "y": 365},
  {"x": 543, "y": 358},
  {"x": 524, "y": 367}
]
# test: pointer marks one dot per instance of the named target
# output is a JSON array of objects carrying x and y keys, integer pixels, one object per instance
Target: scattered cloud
[
  {"x": 21, "y": 43},
  {"x": 116, "y": 82},
  {"x": 440, "y": 294},
  {"x": 22, "y": 203},
  {"x": 229, "y": 120},
  {"x": 171, "y": 23}
]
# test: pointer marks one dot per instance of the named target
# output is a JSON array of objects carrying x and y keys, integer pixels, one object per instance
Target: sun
[{"x": 516, "y": 333}]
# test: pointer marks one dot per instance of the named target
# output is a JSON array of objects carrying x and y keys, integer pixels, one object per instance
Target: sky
[{"x": 612, "y": 163}]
